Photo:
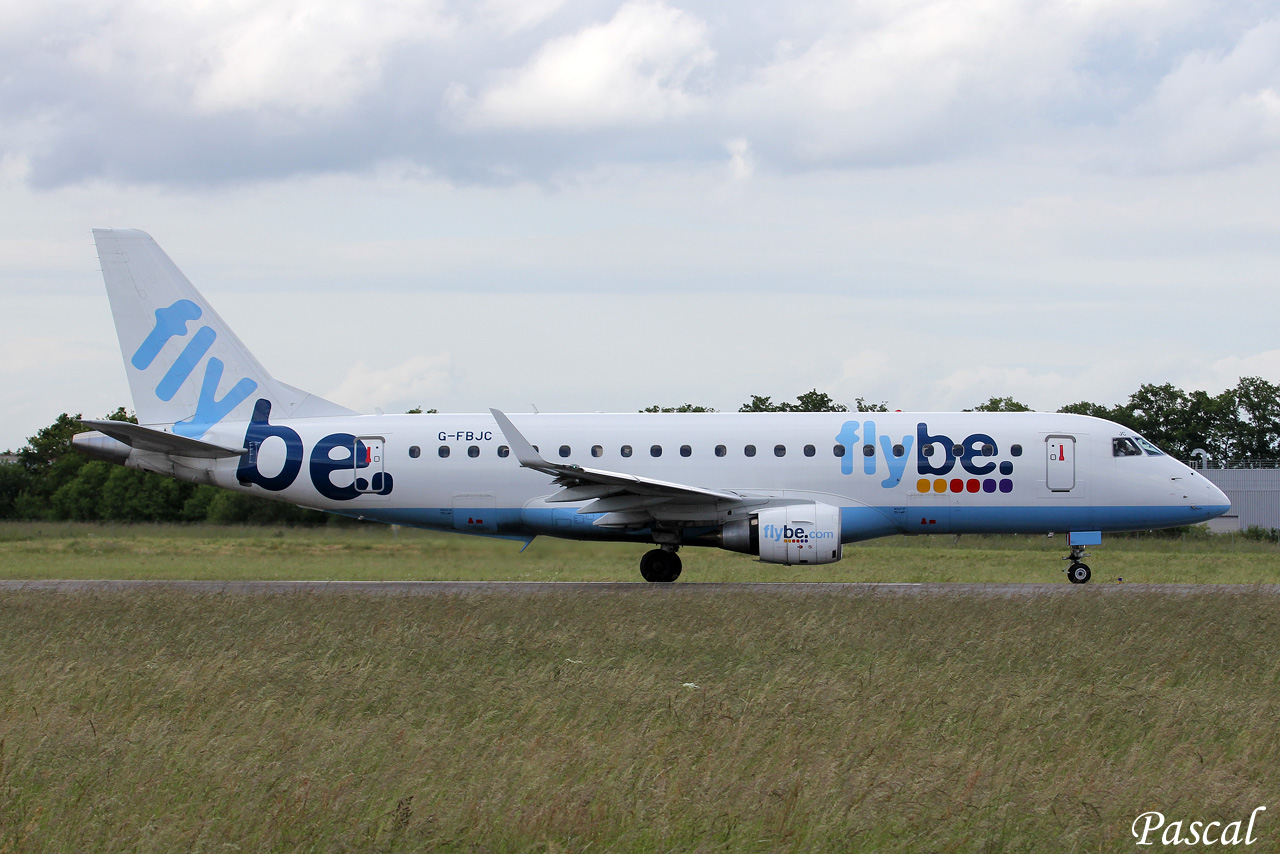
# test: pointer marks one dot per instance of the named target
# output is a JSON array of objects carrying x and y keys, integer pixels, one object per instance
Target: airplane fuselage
[{"x": 889, "y": 473}]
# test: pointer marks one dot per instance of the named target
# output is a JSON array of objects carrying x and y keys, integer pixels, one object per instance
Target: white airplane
[{"x": 789, "y": 488}]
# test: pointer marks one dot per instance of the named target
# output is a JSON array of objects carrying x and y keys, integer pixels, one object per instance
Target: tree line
[{"x": 49, "y": 481}]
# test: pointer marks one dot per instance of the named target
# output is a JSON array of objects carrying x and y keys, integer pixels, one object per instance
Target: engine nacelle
[{"x": 790, "y": 535}]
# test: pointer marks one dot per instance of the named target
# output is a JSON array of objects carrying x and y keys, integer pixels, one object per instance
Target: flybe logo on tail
[
  {"x": 935, "y": 457},
  {"x": 171, "y": 322}
]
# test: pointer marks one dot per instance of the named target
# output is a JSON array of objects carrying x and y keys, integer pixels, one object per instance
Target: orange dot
[
  {"x": 922, "y": 485},
  {"x": 939, "y": 485}
]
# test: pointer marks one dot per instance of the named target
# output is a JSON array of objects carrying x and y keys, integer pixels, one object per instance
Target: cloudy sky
[{"x": 602, "y": 205}]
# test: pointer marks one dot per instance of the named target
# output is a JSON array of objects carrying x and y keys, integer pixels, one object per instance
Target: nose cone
[{"x": 1215, "y": 501}]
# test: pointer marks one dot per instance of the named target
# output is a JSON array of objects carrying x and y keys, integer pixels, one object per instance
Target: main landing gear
[
  {"x": 661, "y": 565},
  {"x": 1078, "y": 572}
]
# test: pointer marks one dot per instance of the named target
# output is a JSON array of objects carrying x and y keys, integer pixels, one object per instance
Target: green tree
[
  {"x": 684, "y": 407},
  {"x": 1001, "y": 404},
  {"x": 1250, "y": 418},
  {"x": 13, "y": 481},
  {"x": 817, "y": 401},
  {"x": 1117, "y": 414},
  {"x": 810, "y": 401},
  {"x": 762, "y": 404},
  {"x": 48, "y": 463}
]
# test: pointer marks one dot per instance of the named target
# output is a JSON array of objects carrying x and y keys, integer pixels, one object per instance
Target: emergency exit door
[
  {"x": 1060, "y": 461},
  {"x": 368, "y": 455}
]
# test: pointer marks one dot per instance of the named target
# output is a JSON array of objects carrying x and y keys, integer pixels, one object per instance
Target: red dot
[
  {"x": 973, "y": 485},
  {"x": 957, "y": 485}
]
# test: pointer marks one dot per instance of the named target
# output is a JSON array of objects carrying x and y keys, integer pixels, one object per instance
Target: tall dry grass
[{"x": 642, "y": 720}]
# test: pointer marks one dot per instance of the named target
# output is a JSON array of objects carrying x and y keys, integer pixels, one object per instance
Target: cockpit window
[
  {"x": 1151, "y": 449},
  {"x": 1125, "y": 448}
]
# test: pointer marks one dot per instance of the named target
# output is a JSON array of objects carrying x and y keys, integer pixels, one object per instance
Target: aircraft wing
[{"x": 626, "y": 499}]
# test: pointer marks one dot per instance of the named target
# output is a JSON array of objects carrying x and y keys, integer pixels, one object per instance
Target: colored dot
[
  {"x": 1006, "y": 468},
  {"x": 957, "y": 485},
  {"x": 973, "y": 485},
  {"x": 939, "y": 485},
  {"x": 1006, "y": 485},
  {"x": 923, "y": 485},
  {"x": 988, "y": 485}
]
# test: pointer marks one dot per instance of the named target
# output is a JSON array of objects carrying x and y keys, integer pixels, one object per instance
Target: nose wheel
[
  {"x": 1078, "y": 572},
  {"x": 660, "y": 565}
]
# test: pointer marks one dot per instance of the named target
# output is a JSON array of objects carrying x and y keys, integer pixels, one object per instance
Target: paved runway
[{"x": 533, "y": 588}]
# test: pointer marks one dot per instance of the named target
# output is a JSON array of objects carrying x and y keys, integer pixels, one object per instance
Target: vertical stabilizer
[{"x": 185, "y": 365}]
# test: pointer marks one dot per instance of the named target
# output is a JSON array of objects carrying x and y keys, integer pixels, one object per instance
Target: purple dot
[
  {"x": 1006, "y": 485},
  {"x": 988, "y": 485}
]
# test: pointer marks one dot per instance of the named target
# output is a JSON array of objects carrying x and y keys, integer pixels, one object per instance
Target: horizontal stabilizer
[{"x": 160, "y": 441}]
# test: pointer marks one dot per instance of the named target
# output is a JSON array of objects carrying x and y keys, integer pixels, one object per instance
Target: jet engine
[{"x": 791, "y": 534}]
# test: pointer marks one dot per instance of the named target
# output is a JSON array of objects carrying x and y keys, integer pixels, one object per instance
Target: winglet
[{"x": 525, "y": 453}]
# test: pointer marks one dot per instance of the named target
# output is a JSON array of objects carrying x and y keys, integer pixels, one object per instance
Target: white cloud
[
  {"x": 408, "y": 384},
  {"x": 1215, "y": 107},
  {"x": 290, "y": 55},
  {"x": 512, "y": 16},
  {"x": 741, "y": 163},
  {"x": 631, "y": 70}
]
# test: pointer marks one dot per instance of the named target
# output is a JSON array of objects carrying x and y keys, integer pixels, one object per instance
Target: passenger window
[
  {"x": 444, "y": 451},
  {"x": 779, "y": 450},
  {"x": 473, "y": 451},
  {"x": 655, "y": 450},
  {"x": 597, "y": 451},
  {"x": 927, "y": 450},
  {"x": 838, "y": 450},
  {"x": 503, "y": 451},
  {"x": 868, "y": 450},
  {"x": 1125, "y": 448},
  {"x": 564, "y": 450},
  {"x": 721, "y": 450},
  {"x": 749, "y": 450},
  {"x": 958, "y": 450},
  {"x": 685, "y": 451},
  {"x": 899, "y": 451},
  {"x": 810, "y": 450},
  {"x": 414, "y": 452},
  {"x": 1015, "y": 450},
  {"x": 988, "y": 450},
  {"x": 625, "y": 450}
]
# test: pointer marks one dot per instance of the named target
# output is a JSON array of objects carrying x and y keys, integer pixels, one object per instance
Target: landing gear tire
[
  {"x": 660, "y": 566},
  {"x": 1079, "y": 573}
]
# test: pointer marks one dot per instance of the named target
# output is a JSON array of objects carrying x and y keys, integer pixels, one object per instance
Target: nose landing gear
[
  {"x": 1078, "y": 572},
  {"x": 661, "y": 565}
]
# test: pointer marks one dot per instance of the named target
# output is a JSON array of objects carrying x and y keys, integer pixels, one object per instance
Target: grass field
[
  {"x": 71, "y": 550},
  {"x": 636, "y": 721},
  {"x": 625, "y": 720}
]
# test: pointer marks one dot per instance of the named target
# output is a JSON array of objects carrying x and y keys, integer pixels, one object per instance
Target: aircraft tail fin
[{"x": 185, "y": 365}]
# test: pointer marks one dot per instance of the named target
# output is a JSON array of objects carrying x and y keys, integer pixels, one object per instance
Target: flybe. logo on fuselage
[
  {"x": 171, "y": 322},
  {"x": 352, "y": 455},
  {"x": 935, "y": 458}
]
